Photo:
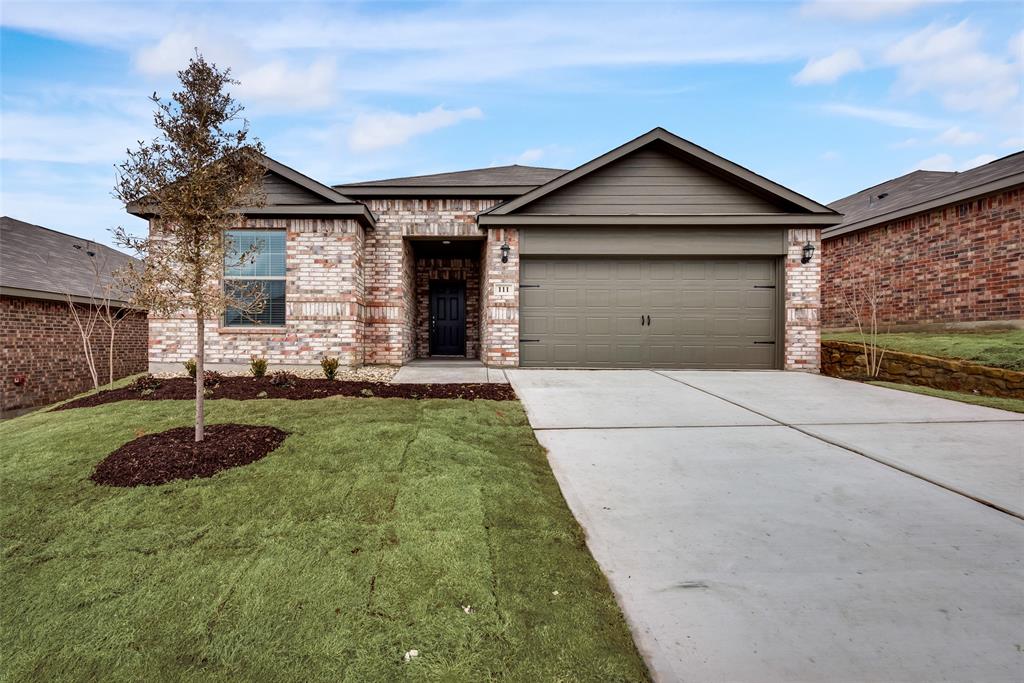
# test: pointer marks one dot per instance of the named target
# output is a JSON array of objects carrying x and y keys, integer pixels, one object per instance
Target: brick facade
[
  {"x": 41, "y": 351},
  {"x": 962, "y": 263},
  {"x": 803, "y": 302},
  {"x": 324, "y": 305},
  {"x": 449, "y": 270},
  {"x": 391, "y": 272},
  {"x": 363, "y": 296}
]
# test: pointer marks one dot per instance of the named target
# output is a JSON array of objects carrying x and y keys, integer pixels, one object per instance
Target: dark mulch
[
  {"x": 295, "y": 388},
  {"x": 174, "y": 454}
]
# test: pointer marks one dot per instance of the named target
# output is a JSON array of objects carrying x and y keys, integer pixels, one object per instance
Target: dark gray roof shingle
[
  {"x": 494, "y": 176},
  {"x": 895, "y": 198},
  {"x": 41, "y": 260}
]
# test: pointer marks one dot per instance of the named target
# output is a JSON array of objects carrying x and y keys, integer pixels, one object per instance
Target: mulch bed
[
  {"x": 174, "y": 454},
  {"x": 295, "y": 388}
]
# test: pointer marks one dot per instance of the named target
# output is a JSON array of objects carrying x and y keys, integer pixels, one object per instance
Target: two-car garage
[
  {"x": 663, "y": 254},
  {"x": 694, "y": 312}
]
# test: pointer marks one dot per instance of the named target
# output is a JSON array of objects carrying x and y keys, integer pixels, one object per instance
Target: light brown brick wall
[
  {"x": 803, "y": 303},
  {"x": 324, "y": 302},
  {"x": 499, "y": 311},
  {"x": 390, "y": 268},
  {"x": 961, "y": 263},
  {"x": 41, "y": 352}
]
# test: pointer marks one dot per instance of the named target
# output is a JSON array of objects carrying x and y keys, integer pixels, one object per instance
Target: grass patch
[
  {"x": 997, "y": 349},
  {"x": 362, "y": 537},
  {"x": 1013, "y": 404}
]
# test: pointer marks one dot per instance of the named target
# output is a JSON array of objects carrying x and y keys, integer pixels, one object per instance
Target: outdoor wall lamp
[
  {"x": 505, "y": 249},
  {"x": 808, "y": 253}
]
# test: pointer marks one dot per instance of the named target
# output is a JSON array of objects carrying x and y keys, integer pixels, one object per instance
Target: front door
[{"x": 447, "y": 318}]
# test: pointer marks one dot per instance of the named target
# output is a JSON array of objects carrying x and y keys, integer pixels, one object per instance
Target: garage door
[{"x": 649, "y": 312}]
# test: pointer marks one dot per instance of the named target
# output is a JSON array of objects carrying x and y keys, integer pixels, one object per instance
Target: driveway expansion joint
[{"x": 845, "y": 447}]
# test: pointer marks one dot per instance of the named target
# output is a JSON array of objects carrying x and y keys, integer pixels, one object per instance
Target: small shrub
[
  {"x": 283, "y": 379},
  {"x": 329, "y": 365},
  {"x": 212, "y": 378},
  {"x": 147, "y": 384},
  {"x": 258, "y": 366},
  {"x": 190, "y": 367}
]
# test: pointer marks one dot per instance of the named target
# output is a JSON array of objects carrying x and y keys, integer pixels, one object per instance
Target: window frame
[{"x": 244, "y": 321}]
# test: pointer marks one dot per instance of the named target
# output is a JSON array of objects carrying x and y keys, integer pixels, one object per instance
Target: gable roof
[
  {"x": 325, "y": 200},
  {"x": 698, "y": 156},
  {"x": 923, "y": 191},
  {"x": 494, "y": 181},
  {"x": 38, "y": 262}
]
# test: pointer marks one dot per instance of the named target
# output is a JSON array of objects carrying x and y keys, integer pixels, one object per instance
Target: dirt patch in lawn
[
  {"x": 174, "y": 454},
  {"x": 292, "y": 388}
]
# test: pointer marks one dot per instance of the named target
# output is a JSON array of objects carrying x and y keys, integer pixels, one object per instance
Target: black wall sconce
[
  {"x": 505, "y": 249},
  {"x": 808, "y": 253}
]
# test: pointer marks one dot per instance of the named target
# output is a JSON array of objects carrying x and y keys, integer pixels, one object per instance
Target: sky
[{"x": 824, "y": 97}]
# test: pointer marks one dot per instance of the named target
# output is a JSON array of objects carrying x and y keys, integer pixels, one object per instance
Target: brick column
[
  {"x": 803, "y": 302},
  {"x": 499, "y": 314}
]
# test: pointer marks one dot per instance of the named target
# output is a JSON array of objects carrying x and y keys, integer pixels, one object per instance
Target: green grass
[
  {"x": 1013, "y": 404},
  {"x": 360, "y": 538},
  {"x": 997, "y": 349}
]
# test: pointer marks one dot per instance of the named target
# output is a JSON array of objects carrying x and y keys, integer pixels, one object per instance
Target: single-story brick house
[
  {"x": 945, "y": 248},
  {"x": 41, "y": 351},
  {"x": 656, "y": 254}
]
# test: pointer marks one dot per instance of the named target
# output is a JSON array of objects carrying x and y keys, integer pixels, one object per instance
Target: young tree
[{"x": 194, "y": 177}]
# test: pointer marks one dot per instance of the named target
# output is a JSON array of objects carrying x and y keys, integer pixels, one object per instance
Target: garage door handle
[
  {"x": 648, "y": 321},
  {"x": 641, "y": 321}
]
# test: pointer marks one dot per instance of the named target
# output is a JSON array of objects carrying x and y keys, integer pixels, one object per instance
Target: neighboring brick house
[
  {"x": 944, "y": 248},
  {"x": 656, "y": 254},
  {"x": 41, "y": 349}
]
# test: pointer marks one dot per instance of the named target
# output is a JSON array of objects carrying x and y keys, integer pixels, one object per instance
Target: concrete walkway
[
  {"x": 766, "y": 526},
  {"x": 448, "y": 371}
]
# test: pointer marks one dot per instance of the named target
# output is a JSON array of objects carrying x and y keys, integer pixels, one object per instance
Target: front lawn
[
  {"x": 997, "y": 349},
  {"x": 380, "y": 526}
]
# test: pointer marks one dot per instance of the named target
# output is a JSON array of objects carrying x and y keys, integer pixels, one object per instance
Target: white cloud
[
  {"x": 976, "y": 161},
  {"x": 388, "y": 129},
  {"x": 889, "y": 117},
  {"x": 279, "y": 83},
  {"x": 956, "y": 136},
  {"x": 949, "y": 62},
  {"x": 530, "y": 156},
  {"x": 1013, "y": 143},
  {"x": 903, "y": 144},
  {"x": 830, "y": 155},
  {"x": 831, "y": 68},
  {"x": 68, "y": 138},
  {"x": 945, "y": 162},
  {"x": 858, "y": 10},
  {"x": 937, "y": 162}
]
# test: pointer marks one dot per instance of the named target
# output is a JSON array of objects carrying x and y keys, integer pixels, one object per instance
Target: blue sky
[{"x": 824, "y": 97}]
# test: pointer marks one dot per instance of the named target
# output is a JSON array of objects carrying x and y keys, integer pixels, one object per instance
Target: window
[{"x": 263, "y": 268}]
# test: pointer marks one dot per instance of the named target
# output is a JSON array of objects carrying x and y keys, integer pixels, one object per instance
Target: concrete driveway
[{"x": 769, "y": 526}]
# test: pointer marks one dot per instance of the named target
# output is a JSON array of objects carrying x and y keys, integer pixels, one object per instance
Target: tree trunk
[
  {"x": 200, "y": 352},
  {"x": 110, "y": 355}
]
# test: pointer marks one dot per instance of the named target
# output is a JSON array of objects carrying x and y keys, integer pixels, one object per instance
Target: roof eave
[
  {"x": 355, "y": 210},
  {"x": 954, "y": 198},
  {"x": 58, "y": 296},
  {"x": 780, "y": 219}
]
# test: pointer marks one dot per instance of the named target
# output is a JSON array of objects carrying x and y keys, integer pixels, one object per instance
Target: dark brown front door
[{"x": 448, "y": 318}]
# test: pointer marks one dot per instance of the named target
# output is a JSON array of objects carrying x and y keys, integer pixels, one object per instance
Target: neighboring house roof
[
  {"x": 291, "y": 192},
  {"x": 795, "y": 208},
  {"x": 923, "y": 191},
  {"x": 41, "y": 263},
  {"x": 496, "y": 181}
]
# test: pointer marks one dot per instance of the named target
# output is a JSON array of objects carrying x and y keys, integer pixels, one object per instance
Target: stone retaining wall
[{"x": 846, "y": 360}]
